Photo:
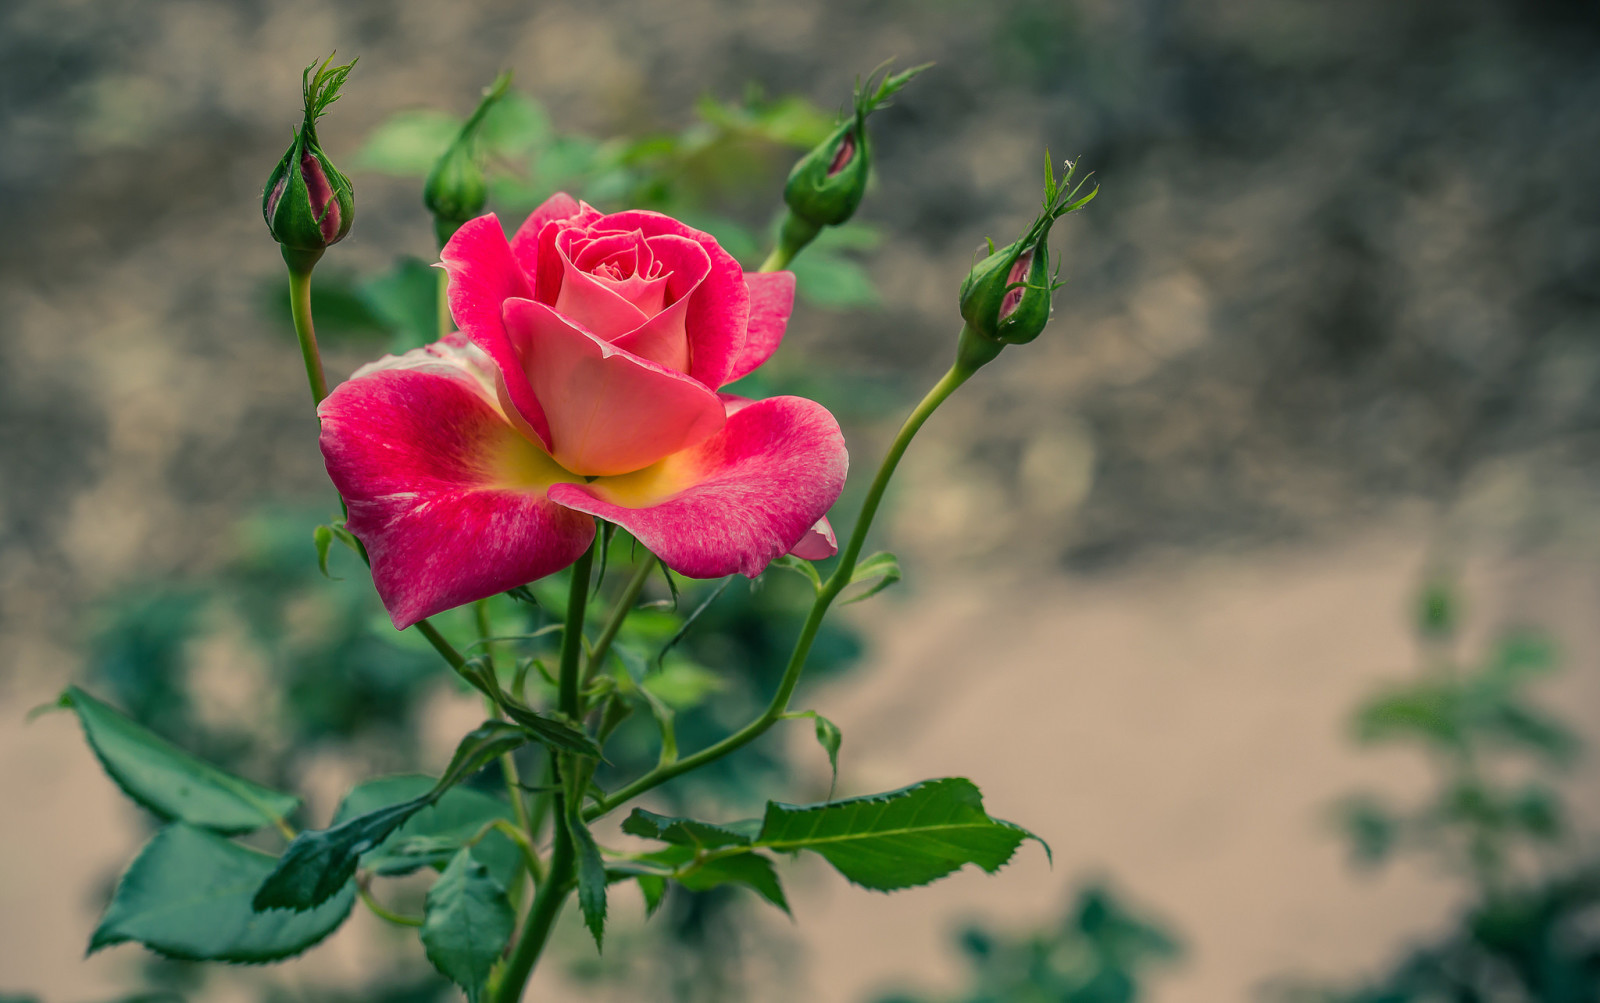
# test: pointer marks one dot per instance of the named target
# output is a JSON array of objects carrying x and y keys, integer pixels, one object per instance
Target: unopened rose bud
[
  {"x": 457, "y": 188},
  {"x": 827, "y": 184},
  {"x": 308, "y": 204},
  {"x": 1005, "y": 299}
]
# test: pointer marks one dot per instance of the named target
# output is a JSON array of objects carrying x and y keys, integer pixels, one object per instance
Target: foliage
[
  {"x": 1100, "y": 952},
  {"x": 1495, "y": 818}
]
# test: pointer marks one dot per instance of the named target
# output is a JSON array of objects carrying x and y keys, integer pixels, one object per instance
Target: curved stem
[
  {"x": 777, "y": 261},
  {"x": 445, "y": 649},
  {"x": 572, "y": 636},
  {"x": 383, "y": 912},
  {"x": 830, "y": 590},
  {"x": 300, "y": 307},
  {"x": 619, "y": 615},
  {"x": 547, "y": 903}
]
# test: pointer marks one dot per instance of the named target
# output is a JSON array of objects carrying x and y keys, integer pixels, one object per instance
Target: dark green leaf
[
  {"x": 899, "y": 839},
  {"x": 688, "y": 831},
  {"x": 591, "y": 878},
  {"x": 551, "y": 731},
  {"x": 406, "y": 300},
  {"x": 169, "y": 781},
  {"x": 654, "y": 889},
  {"x": 752, "y": 869},
  {"x": 187, "y": 895},
  {"x": 467, "y": 924},
  {"x": 433, "y": 835},
  {"x": 318, "y": 863}
]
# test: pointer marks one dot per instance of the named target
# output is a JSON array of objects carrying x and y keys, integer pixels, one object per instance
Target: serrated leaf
[
  {"x": 434, "y": 834},
  {"x": 187, "y": 895},
  {"x": 751, "y": 869},
  {"x": 551, "y": 731},
  {"x": 466, "y": 925},
  {"x": 898, "y": 839},
  {"x": 591, "y": 878},
  {"x": 318, "y": 863},
  {"x": 882, "y": 566},
  {"x": 688, "y": 831},
  {"x": 174, "y": 784}
]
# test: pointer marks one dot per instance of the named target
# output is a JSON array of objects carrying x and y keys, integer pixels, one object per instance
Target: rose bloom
[{"x": 582, "y": 383}]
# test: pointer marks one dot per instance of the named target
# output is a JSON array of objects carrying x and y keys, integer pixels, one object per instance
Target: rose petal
[
  {"x": 595, "y": 305},
  {"x": 448, "y": 497},
  {"x": 609, "y": 411},
  {"x": 483, "y": 275},
  {"x": 736, "y": 501},
  {"x": 525, "y": 243},
  {"x": 719, "y": 308},
  {"x": 818, "y": 544},
  {"x": 664, "y": 338},
  {"x": 771, "y": 303}
]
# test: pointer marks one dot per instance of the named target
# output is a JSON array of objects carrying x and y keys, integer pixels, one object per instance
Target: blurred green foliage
[
  {"x": 1100, "y": 952},
  {"x": 1495, "y": 817}
]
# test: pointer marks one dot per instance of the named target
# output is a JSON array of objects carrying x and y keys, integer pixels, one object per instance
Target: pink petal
[
  {"x": 771, "y": 303},
  {"x": 719, "y": 309},
  {"x": 610, "y": 412},
  {"x": 525, "y": 243},
  {"x": 736, "y": 501},
  {"x": 818, "y": 544},
  {"x": 594, "y": 304},
  {"x": 483, "y": 275},
  {"x": 448, "y": 497},
  {"x": 664, "y": 338}
]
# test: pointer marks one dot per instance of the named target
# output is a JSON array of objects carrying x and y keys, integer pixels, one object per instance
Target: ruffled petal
[
  {"x": 483, "y": 275},
  {"x": 771, "y": 303},
  {"x": 595, "y": 304},
  {"x": 719, "y": 309},
  {"x": 609, "y": 411},
  {"x": 818, "y": 544},
  {"x": 735, "y": 502},
  {"x": 525, "y": 243},
  {"x": 449, "y": 498}
]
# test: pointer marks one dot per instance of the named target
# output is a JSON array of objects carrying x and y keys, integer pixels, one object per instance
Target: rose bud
[
  {"x": 1005, "y": 299},
  {"x": 826, "y": 185},
  {"x": 457, "y": 188},
  {"x": 308, "y": 204}
]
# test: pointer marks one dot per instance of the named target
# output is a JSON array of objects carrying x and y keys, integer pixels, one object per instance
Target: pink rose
[{"x": 582, "y": 382}]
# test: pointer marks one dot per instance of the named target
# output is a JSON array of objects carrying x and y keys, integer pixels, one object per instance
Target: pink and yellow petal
[
  {"x": 736, "y": 501},
  {"x": 450, "y": 500}
]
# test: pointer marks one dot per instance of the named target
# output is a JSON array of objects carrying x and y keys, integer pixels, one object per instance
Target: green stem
[
  {"x": 446, "y": 324},
  {"x": 383, "y": 912},
  {"x": 619, "y": 614},
  {"x": 777, "y": 261},
  {"x": 830, "y": 590},
  {"x": 300, "y": 307},
  {"x": 445, "y": 649},
  {"x": 547, "y": 903},
  {"x": 572, "y": 636},
  {"x": 508, "y": 763}
]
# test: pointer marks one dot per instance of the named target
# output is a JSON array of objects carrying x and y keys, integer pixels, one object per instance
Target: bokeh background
[{"x": 1332, "y": 332}]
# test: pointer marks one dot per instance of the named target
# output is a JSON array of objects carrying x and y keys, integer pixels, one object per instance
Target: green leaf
[
  {"x": 407, "y": 144},
  {"x": 830, "y": 738},
  {"x": 406, "y": 300},
  {"x": 322, "y": 536},
  {"x": 467, "y": 923},
  {"x": 434, "y": 834},
  {"x": 187, "y": 895},
  {"x": 883, "y": 566},
  {"x": 169, "y": 781},
  {"x": 654, "y": 888},
  {"x": 318, "y": 863},
  {"x": 899, "y": 839},
  {"x": 591, "y": 878},
  {"x": 800, "y": 566},
  {"x": 833, "y": 281},
  {"x": 556, "y": 733},
  {"x": 751, "y": 869},
  {"x": 688, "y": 831}
]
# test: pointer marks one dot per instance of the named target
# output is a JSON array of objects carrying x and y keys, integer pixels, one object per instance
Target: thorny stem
[{"x": 830, "y": 590}]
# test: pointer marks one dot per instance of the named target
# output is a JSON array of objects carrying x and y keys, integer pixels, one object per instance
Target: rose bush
[{"x": 582, "y": 382}]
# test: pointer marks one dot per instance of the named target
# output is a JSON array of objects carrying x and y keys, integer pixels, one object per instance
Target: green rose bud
[
  {"x": 457, "y": 188},
  {"x": 827, "y": 184},
  {"x": 308, "y": 204},
  {"x": 1005, "y": 299}
]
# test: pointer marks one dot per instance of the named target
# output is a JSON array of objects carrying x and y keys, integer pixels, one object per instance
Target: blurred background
[{"x": 1264, "y": 586}]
